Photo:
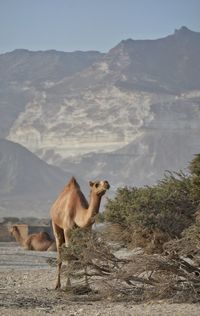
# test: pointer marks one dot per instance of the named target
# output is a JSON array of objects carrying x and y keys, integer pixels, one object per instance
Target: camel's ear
[{"x": 91, "y": 183}]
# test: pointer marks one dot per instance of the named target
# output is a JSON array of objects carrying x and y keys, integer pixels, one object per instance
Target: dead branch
[{"x": 140, "y": 278}]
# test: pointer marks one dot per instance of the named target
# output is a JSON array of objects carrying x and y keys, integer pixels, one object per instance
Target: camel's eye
[{"x": 96, "y": 184}]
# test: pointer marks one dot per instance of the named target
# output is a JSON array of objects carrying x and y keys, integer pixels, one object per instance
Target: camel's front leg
[
  {"x": 66, "y": 234},
  {"x": 59, "y": 264}
]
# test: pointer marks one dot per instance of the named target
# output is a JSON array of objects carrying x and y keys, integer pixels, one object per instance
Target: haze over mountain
[
  {"x": 28, "y": 185},
  {"x": 126, "y": 116}
]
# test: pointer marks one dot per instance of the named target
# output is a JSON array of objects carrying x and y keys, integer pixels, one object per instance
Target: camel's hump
[{"x": 73, "y": 182}]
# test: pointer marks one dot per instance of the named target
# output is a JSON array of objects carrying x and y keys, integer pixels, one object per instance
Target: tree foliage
[
  {"x": 167, "y": 208},
  {"x": 195, "y": 177}
]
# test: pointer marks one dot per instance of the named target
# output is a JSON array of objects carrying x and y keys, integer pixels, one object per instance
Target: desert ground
[{"x": 27, "y": 288}]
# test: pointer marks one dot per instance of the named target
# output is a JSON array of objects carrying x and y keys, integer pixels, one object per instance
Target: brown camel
[
  {"x": 39, "y": 241},
  {"x": 72, "y": 209}
]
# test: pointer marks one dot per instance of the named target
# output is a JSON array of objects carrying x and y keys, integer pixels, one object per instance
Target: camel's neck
[
  {"x": 19, "y": 238},
  {"x": 93, "y": 208},
  {"x": 86, "y": 216}
]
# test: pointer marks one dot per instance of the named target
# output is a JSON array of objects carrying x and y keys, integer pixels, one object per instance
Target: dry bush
[
  {"x": 141, "y": 278},
  {"x": 189, "y": 245},
  {"x": 184, "y": 248},
  {"x": 117, "y": 233},
  {"x": 89, "y": 255},
  {"x": 151, "y": 241}
]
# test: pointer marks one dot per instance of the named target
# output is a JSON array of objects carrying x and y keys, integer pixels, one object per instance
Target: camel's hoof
[{"x": 57, "y": 287}]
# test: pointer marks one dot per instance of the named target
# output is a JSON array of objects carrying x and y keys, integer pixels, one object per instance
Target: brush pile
[{"x": 139, "y": 278}]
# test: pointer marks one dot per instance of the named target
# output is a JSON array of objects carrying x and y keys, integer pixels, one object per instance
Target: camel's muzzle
[{"x": 106, "y": 185}]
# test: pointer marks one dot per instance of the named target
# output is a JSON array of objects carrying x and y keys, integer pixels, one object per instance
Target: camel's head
[
  {"x": 99, "y": 187},
  {"x": 12, "y": 230}
]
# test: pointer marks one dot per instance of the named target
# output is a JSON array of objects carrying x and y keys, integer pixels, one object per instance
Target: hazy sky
[{"x": 70, "y": 25}]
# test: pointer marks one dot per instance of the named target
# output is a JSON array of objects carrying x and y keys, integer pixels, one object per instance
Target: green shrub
[
  {"x": 166, "y": 209},
  {"x": 195, "y": 178}
]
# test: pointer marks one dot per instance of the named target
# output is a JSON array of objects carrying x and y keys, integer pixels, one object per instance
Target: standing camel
[
  {"x": 72, "y": 209},
  {"x": 39, "y": 241}
]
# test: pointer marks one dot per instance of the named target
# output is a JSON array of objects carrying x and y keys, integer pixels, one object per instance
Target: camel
[
  {"x": 71, "y": 210},
  {"x": 39, "y": 241}
]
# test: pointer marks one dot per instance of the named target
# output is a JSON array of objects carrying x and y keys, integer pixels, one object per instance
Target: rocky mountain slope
[
  {"x": 168, "y": 142},
  {"x": 24, "y": 76},
  {"x": 134, "y": 112}
]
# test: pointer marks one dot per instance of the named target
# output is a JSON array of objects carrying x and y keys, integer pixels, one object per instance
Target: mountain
[
  {"x": 24, "y": 75},
  {"x": 139, "y": 102},
  {"x": 28, "y": 185},
  {"x": 169, "y": 65},
  {"x": 22, "y": 65},
  {"x": 168, "y": 143}
]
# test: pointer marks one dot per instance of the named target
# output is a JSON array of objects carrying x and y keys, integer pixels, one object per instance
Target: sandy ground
[{"x": 26, "y": 288}]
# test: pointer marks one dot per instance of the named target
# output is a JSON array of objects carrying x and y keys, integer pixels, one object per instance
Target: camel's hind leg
[{"x": 59, "y": 236}]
